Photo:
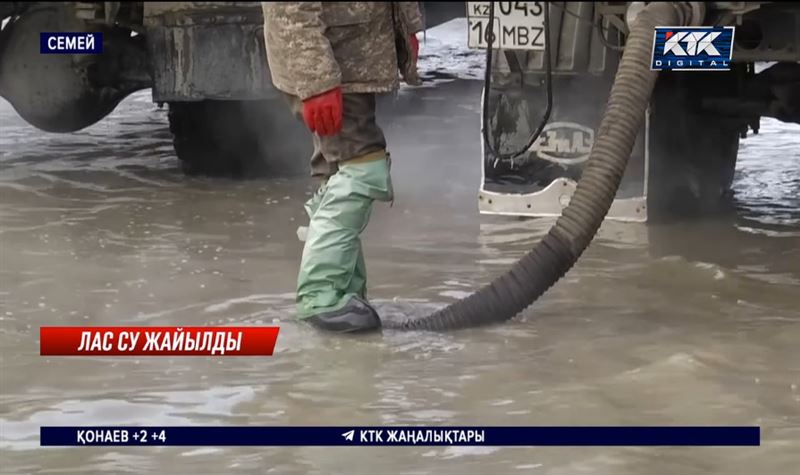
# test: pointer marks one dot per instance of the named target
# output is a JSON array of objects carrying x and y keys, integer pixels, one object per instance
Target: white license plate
[{"x": 517, "y": 25}]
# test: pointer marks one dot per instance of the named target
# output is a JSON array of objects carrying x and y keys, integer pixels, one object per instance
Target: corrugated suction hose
[{"x": 513, "y": 291}]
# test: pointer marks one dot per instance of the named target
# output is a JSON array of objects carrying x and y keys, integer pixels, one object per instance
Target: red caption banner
[{"x": 157, "y": 341}]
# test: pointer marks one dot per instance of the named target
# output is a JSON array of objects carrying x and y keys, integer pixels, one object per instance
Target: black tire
[
  {"x": 238, "y": 139},
  {"x": 692, "y": 151}
]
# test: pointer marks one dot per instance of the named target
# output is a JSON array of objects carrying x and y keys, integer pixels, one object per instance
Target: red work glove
[
  {"x": 414, "y": 46},
  {"x": 323, "y": 113}
]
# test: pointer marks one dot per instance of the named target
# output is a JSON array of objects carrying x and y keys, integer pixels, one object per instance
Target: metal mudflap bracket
[
  {"x": 207, "y": 50},
  {"x": 540, "y": 182}
]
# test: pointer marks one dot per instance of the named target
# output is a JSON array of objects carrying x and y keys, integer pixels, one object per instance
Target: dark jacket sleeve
[{"x": 407, "y": 21}]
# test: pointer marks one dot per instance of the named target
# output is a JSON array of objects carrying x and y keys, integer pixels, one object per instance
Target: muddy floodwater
[{"x": 682, "y": 323}]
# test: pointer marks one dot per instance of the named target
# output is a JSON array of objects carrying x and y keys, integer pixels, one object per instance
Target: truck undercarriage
[{"x": 206, "y": 61}]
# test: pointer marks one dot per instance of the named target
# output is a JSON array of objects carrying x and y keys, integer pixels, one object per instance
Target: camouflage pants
[{"x": 360, "y": 134}]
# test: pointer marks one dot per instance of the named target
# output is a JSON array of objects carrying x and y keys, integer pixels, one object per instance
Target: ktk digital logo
[{"x": 702, "y": 48}]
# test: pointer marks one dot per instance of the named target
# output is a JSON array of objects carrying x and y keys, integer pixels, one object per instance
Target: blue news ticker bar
[{"x": 383, "y": 436}]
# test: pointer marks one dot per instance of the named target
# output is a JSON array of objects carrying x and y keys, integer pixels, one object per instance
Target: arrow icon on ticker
[{"x": 348, "y": 436}]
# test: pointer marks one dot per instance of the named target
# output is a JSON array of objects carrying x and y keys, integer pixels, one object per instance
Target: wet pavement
[{"x": 682, "y": 323}]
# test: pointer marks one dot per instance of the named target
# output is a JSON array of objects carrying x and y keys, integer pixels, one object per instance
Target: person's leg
[
  {"x": 332, "y": 269},
  {"x": 358, "y": 284},
  {"x": 322, "y": 170},
  {"x": 361, "y": 142}
]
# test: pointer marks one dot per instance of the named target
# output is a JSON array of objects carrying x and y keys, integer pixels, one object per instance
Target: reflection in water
[{"x": 681, "y": 323}]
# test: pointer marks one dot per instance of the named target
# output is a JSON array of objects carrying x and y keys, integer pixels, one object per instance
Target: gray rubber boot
[{"x": 356, "y": 316}]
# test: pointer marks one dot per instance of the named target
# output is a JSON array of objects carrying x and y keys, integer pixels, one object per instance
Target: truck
[{"x": 548, "y": 80}]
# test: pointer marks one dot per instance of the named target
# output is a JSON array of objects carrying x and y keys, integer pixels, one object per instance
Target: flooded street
[{"x": 685, "y": 323}]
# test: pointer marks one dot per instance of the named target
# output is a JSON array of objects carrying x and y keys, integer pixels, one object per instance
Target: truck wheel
[
  {"x": 238, "y": 139},
  {"x": 692, "y": 151},
  {"x": 65, "y": 93}
]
